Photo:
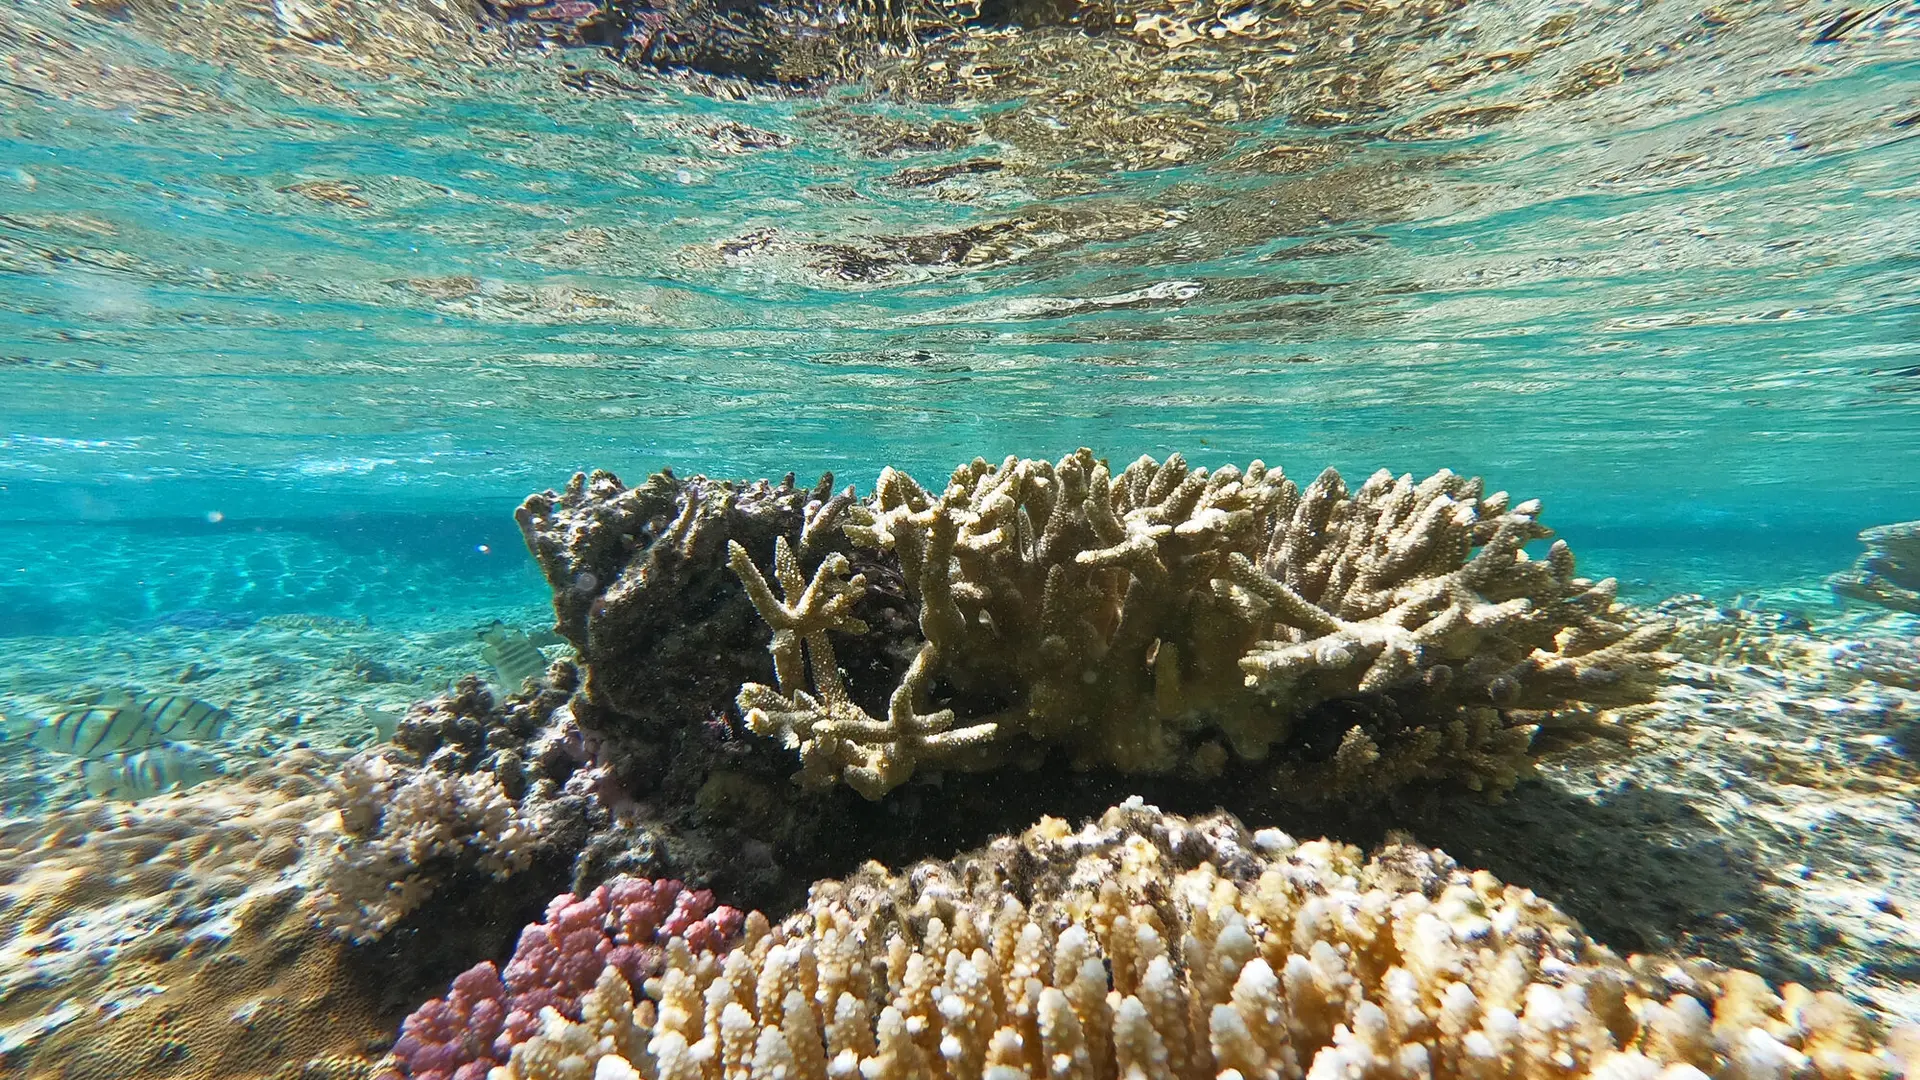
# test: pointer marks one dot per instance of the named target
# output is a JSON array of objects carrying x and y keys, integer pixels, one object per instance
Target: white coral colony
[{"x": 1152, "y": 947}]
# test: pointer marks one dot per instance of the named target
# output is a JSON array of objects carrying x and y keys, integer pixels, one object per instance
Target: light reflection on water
[{"x": 1652, "y": 266}]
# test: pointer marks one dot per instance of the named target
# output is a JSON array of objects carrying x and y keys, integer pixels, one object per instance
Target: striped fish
[
  {"x": 110, "y": 725},
  {"x": 155, "y": 770},
  {"x": 512, "y": 655},
  {"x": 184, "y": 719}
]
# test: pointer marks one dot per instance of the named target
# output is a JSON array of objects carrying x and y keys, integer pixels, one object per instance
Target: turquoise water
[
  {"x": 286, "y": 328},
  {"x": 300, "y": 298}
]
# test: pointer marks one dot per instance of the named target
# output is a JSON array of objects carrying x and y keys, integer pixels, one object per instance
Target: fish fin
[{"x": 385, "y": 721}]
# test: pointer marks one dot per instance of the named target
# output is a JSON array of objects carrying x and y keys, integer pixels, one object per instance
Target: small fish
[
  {"x": 512, "y": 655},
  {"x": 183, "y": 718},
  {"x": 106, "y": 723},
  {"x": 155, "y": 770},
  {"x": 385, "y": 721}
]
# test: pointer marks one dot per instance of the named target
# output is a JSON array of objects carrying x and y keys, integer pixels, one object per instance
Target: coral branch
[{"x": 1133, "y": 620}]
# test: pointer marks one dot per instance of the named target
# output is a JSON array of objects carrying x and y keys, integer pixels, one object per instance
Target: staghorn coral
[
  {"x": 1888, "y": 573},
  {"x": 616, "y": 932},
  {"x": 1152, "y": 620},
  {"x": 1147, "y": 946}
]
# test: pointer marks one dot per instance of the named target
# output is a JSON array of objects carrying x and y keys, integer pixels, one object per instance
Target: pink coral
[
  {"x": 624, "y": 924},
  {"x": 452, "y": 1038}
]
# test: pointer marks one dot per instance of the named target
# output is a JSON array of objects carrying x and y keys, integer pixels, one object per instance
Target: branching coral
[
  {"x": 1138, "y": 620},
  {"x": 1149, "y": 947}
]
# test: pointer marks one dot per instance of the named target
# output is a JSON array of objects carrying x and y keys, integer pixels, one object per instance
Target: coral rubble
[
  {"x": 1154, "y": 620},
  {"x": 1147, "y": 946},
  {"x": 1887, "y": 661},
  {"x": 1888, "y": 573}
]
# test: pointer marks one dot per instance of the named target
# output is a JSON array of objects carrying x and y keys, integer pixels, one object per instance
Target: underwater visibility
[{"x": 795, "y": 540}]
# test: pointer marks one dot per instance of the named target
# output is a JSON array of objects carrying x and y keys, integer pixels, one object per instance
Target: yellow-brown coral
[
  {"x": 164, "y": 938},
  {"x": 1150, "y": 621},
  {"x": 1147, "y": 946}
]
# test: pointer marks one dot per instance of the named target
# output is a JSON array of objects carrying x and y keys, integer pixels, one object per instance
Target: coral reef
[
  {"x": 453, "y": 792},
  {"x": 1887, "y": 661},
  {"x": 1153, "y": 620},
  {"x": 1148, "y": 946},
  {"x": 1713, "y": 633},
  {"x": 1888, "y": 573},
  {"x": 175, "y": 937},
  {"x": 1761, "y": 818},
  {"x": 621, "y": 928},
  {"x": 123, "y": 927}
]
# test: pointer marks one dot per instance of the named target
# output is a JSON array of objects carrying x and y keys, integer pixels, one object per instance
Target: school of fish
[{"x": 132, "y": 747}]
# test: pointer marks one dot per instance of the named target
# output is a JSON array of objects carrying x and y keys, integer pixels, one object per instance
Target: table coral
[
  {"x": 1147, "y": 946},
  {"x": 1888, "y": 573},
  {"x": 619, "y": 931},
  {"x": 1154, "y": 620}
]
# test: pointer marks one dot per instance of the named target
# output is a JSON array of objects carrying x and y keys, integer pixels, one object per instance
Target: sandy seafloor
[{"x": 1760, "y": 813}]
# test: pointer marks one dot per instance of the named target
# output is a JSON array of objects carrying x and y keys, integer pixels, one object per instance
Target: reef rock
[
  {"x": 641, "y": 587},
  {"x": 1888, "y": 574}
]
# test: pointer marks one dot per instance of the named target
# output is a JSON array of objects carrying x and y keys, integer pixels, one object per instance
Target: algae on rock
[
  {"x": 1157, "y": 620},
  {"x": 1888, "y": 573}
]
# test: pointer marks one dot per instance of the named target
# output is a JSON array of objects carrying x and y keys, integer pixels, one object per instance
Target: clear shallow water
[
  {"x": 291, "y": 328},
  {"x": 298, "y": 300}
]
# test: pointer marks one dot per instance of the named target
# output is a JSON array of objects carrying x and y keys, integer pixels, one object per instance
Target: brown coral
[
  {"x": 1147, "y": 946},
  {"x": 396, "y": 822},
  {"x": 163, "y": 938},
  {"x": 1143, "y": 620}
]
